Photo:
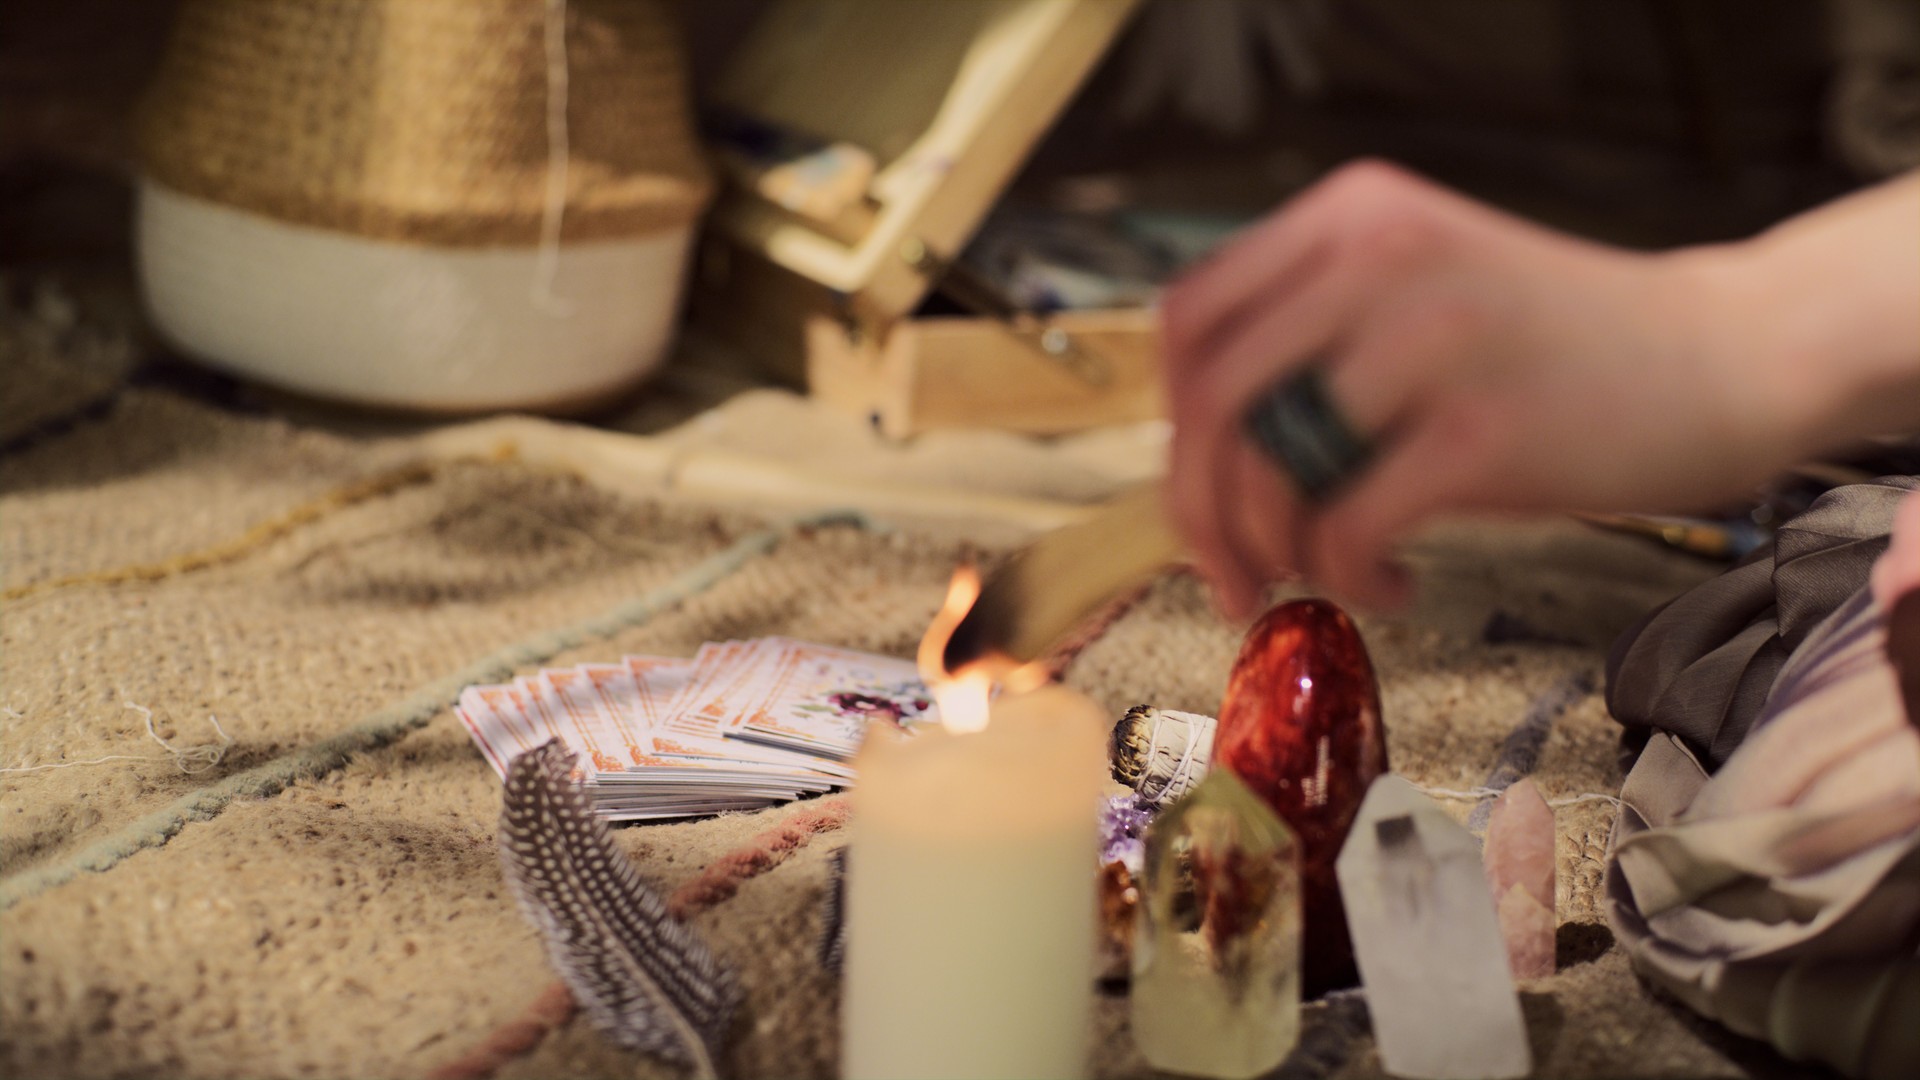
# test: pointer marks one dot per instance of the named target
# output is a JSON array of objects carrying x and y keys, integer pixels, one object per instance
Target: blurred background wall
[{"x": 1651, "y": 122}]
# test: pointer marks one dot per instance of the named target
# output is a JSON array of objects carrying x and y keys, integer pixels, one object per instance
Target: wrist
[
  {"x": 1829, "y": 306},
  {"x": 1755, "y": 338}
]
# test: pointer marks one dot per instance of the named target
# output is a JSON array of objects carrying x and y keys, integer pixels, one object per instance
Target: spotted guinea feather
[
  {"x": 645, "y": 980},
  {"x": 833, "y": 915}
]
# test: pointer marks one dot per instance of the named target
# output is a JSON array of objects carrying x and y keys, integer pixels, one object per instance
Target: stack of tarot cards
[{"x": 741, "y": 725}]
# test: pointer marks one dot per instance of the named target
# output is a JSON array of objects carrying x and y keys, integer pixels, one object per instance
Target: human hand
[{"x": 1495, "y": 365}]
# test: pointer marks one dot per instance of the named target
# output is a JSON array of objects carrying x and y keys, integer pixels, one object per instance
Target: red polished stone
[{"x": 1301, "y": 726}]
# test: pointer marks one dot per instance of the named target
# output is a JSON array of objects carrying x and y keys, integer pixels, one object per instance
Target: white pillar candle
[{"x": 970, "y": 891}]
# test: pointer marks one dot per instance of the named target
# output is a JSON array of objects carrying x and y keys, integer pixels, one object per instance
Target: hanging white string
[
  {"x": 546, "y": 267},
  {"x": 1478, "y": 793},
  {"x": 192, "y": 760},
  {"x": 1591, "y": 796}
]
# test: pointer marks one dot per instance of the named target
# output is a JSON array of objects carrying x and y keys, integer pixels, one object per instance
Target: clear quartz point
[
  {"x": 1216, "y": 960},
  {"x": 1429, "y": 946}
]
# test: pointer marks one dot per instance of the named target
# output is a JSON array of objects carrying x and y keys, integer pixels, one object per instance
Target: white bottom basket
[{"x": 391, "y": 324}]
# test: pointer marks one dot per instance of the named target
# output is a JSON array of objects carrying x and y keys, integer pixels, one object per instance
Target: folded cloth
[
  {"x": 1765, "y": 865},
  {"x": 1700, "y": 667}
]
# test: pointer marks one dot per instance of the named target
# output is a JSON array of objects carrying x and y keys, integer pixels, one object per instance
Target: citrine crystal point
[
  {"x": 1520, "y": 870},
  {"x": 1301, "y": 725},
  {"x": 1439, "y": 991},
  {"x": 1216, "y": 957}
]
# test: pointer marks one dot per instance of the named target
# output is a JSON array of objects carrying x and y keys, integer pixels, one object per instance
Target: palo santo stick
[{"x": 1064, "y": 578}]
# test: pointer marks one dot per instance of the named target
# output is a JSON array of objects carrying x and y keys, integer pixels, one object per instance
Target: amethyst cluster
[{"x": 1123, "y": 831}]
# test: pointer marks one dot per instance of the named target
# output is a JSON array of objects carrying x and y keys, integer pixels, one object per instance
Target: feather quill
[
  {"x": 644, "y": 978},
  {"x": 833, "y": 924}
]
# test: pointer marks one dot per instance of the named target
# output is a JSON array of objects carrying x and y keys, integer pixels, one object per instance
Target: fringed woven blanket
[{"x": 312, "y": 887}]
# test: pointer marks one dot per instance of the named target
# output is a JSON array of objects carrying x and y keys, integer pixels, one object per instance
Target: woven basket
[{"x": 349, "y": 197}]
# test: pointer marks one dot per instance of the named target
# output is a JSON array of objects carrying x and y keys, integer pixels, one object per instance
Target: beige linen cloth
[{"x": 1765, "y": 866}]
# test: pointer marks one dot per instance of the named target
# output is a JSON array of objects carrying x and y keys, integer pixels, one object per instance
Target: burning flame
[
  {"x": 963, "y": 701},
  {"x": 963, "y": 695}
]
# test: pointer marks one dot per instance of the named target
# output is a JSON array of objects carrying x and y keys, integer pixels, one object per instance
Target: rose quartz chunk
[{"x": 1520, "y": 871}]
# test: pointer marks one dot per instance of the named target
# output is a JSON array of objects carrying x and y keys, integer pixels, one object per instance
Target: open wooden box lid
[{"x": 863, "y": 143}]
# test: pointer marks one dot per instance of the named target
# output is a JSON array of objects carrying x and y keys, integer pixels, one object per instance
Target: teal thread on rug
[{"x": 389, "y": 724}]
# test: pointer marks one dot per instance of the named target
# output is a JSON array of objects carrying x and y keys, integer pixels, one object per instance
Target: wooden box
[{"x": 861, "y": 145}]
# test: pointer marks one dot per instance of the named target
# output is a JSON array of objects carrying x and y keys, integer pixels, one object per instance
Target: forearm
[{"x": 1830, "y": 311}]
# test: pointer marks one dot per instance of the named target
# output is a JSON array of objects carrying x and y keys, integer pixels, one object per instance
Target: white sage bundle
[{"x": 1160, "y": 753}]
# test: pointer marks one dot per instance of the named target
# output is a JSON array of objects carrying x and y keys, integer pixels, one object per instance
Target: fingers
[
  {"x": 1256, "y": 267},
  {"x": 1444, "y": 459},
  {"x": 1322, "y": 281},
  {"x": 1195, "y": 516},
  {"x": 1409, "y": 360},
  {"x": 1380, "y": 299},
  {"x": 1409, "y": 353},
  {"x": 1252, "y": 510},
  {"x": 1259, "y": 522},
  {"x": 1217, "y": 491},
  {"x": 1897, "y": 571},
  {"x": 1490, "y": 362}
]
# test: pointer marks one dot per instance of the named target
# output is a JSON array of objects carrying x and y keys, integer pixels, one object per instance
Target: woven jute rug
[{"x": 324, "y": 899}]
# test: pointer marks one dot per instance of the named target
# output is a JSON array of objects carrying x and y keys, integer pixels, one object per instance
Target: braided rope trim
[
  {"x": 723, "y": 877},
  {"x": 395, "y": 721},
  {"x": 261, "y": 533}
]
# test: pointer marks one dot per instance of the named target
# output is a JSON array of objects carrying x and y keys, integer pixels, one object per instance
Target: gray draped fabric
[
  {"x": 1700, "y": 667},
  {"x": 1765, "y": 864}
]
